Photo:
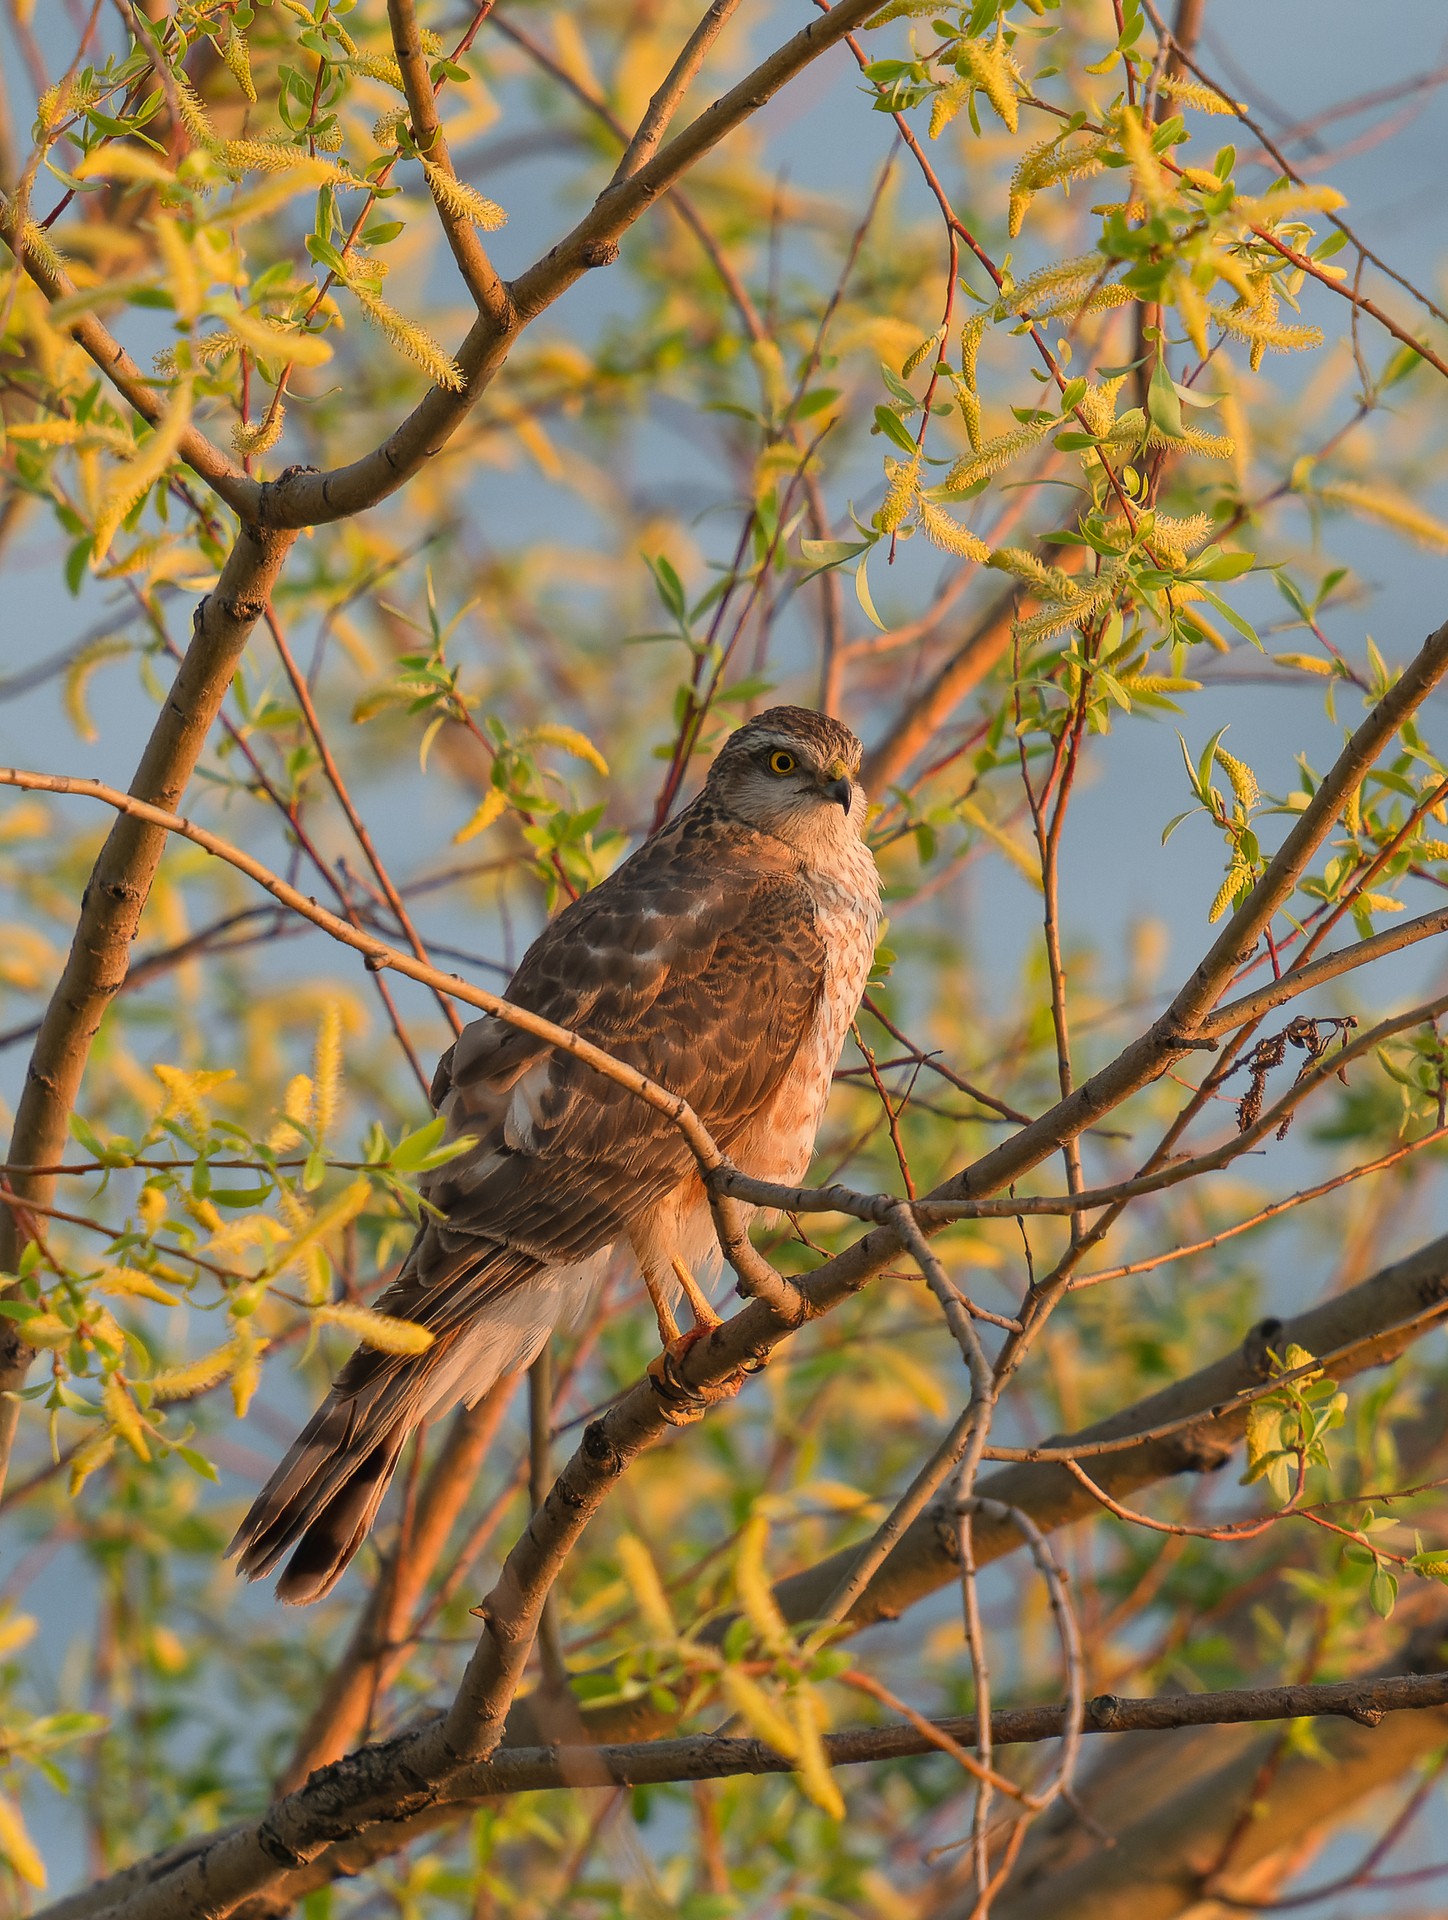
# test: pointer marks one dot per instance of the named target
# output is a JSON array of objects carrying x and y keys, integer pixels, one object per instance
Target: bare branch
[
  {"x": 670, "y": 95},
  {"x": 1238, "y": 1013},
  {"x": 298, "y": 682},
  {"x": 490, "y": 296},
  {"x": 1153, "y": 1867}
]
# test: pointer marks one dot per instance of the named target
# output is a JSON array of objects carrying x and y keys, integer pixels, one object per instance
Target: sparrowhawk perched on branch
[{"x": 725, "y": 960}]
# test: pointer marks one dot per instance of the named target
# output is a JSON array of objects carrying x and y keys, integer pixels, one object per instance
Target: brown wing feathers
[{"x": 698, "y": 963}]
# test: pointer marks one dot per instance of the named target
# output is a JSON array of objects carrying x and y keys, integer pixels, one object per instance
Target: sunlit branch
[
  {"x": 490, "y": 295},
  {"x": 671, "y": 91}
]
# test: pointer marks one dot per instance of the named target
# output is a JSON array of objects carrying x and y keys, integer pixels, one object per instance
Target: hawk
[{"x": 725, "y": 959}]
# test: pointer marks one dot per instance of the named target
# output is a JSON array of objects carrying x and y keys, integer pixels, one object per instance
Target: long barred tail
[{"x": 320, "y": 1503}]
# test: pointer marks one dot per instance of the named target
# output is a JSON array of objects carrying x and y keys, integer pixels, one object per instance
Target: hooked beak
[{"x": 842, "y": 790}]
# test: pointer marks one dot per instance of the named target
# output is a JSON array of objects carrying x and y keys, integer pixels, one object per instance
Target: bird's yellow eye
[{"x": 781, "y": 762}]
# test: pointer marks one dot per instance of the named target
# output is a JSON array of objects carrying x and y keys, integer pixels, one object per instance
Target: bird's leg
[
  {"x": 705, "y": 1318},
  {"x": 682, "y": 1403},
  {"x": 663, "y": 1312}
]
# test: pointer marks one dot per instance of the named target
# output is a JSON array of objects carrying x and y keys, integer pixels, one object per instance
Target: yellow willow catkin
[
  {"x": 756, "y": 1593},
  {"x": 646, "y": 1587},
  {"x": 384, "y": 1331},
  {"x": 1239, "y": 876},
  {"x": 1244, "y": 781},
  {"x": 260, "y": 436},
  {"x": 1066, "y": 276},
  {"x": 377, "y": 66},
  {"x": 899, "y": 494},
  {"x": 327, "y": 1071},
  {"x": 458, "y": 198},
  {"x": 945, "y": 531},
  {"x": 410, "y": 340},
  {"x": 1145, "y": 167},
  {"x": 1026, "y": 566},
  {"x": 989, "y": 67},
  {"x": 238, "y": 61},
  {"x": 1048, "y": 164},
  {"x": 1204, "y": 99},
  {"x": 1389, "y": 510},
  {"x": 121, "y": 1410},
  {"x": 994, "y": 455},
  {"x": 194, "y": 1376}
]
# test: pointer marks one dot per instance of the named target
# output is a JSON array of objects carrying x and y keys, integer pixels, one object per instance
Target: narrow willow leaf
[{"x": 867, "y": 604}]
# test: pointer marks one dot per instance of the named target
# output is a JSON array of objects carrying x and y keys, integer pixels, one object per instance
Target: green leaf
[
  {"x": 239, "y": 1196},
  {"x": 830, "y": 553},
  {"x": 1233, "y": 619},
  {"x": 862, "y": 594},
  {"x": 87, "y": 1136},
  {"x": 414, "y": 1148},
  {"x": 1216, "y": 565},
  {"x": 1405, "y": 361},
  {"x": 809, "y": 404},
  {"x": 1162, "y": 403},
  {"x": 197, "y": 1462},
  {"x": 895, "y": 429}
]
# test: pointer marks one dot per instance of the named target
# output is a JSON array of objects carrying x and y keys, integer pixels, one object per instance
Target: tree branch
[
  {"x": 490, "y": 295},
  {"x": 1238, "y": 1013},
  {"x": 379, "y": 1800},
  {"x": 1160, "y": 1837},
  {"x": 670, "y": 95},
  {"x": 311, "y": 499}
]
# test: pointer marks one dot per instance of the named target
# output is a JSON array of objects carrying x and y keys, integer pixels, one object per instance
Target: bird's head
[{"x": 791, "y": 772}]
